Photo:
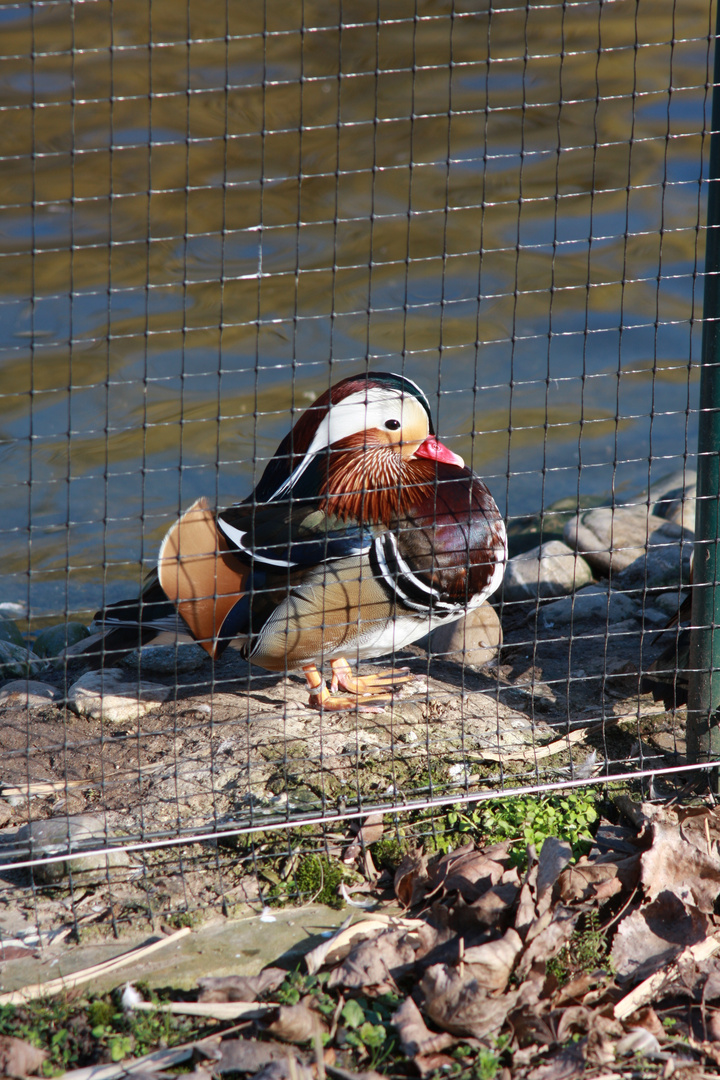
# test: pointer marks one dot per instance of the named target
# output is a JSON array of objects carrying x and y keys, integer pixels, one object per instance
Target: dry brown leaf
[
  {"x": 15, "y": 952},
  {"x": 411, "y": 879},
  {"x": 554, "y": 857},
  {"x": 599, "y": 879},
  {"x": 415, "y": 1036},
  {"x": 315, "y": 958},
  {"x": 369, "y": 833},
  {"x": 494, "y": 906},
  {"x": 287, "y": 1069},
  {"x": 347, "y": 937},
  {"x": 549, "y": 939},
  {"x": 675, "y": 864},
  {"x": 562, "y": 1065},
  {"x": 601, "y": 1039},
  {"x": 576, "y": 1019},
  {"x": 376, "y": 962},
  {"x": 711, "y": 989},
  {"x": 427, "y": 1064},
  {"x": 576, "y": 989},
  {"x": 430, "y": 937},
  {"x": 712, "y": 1023},
  {"x": 18, "y": 1058},
  {"x": 526, "y": 913},
  {"x": 294, "y": 1023},
  {"x": 240, "y": 987},
  {"x": 647, "y": 1018},
  {"x": 457, "y": 1003},
  {"x": 347, "y": 1074},
  {"x": 491, "y": 964},
  {"x": 650, "y": 937},
  {"x": 248, "y": 1055},
  {"x": 468, "y": 870}
]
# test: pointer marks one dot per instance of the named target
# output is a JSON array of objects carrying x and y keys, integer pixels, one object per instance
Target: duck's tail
[{"x": 196, "y": 584}]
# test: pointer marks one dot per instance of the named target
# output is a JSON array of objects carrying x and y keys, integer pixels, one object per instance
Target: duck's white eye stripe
[{"x": 376, "y": 407}]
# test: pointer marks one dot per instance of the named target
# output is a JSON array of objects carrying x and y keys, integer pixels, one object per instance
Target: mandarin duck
[{"x": 363, "y": 534}]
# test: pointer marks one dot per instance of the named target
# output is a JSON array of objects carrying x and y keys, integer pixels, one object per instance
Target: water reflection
[{"x": 189, "y": 233}]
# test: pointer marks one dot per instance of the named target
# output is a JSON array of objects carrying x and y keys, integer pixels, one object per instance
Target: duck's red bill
[{"x": 435, "y": 450}]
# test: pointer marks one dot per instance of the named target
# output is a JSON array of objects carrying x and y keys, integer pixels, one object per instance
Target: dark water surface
[{"x": 211, "y": 212}]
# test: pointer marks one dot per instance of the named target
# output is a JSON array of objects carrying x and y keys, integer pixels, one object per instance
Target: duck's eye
[{"x": 392, "y": 425}]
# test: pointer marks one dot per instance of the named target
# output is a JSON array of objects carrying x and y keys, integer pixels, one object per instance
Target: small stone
[
  {"x": 553, "y": 569},
  {"x": 60, "y": 835},
  {"x": 653, "y": 617},
  {"x": 28, "y": 694},
  {"x": 669, "y": 602},
  {"x": 474, "y": 639},
  {"x": 614, "y": 538},
  {"x": 9, "y": 632},
  {"x": 17, "y": 661},
  {"x": 54, "y": 639},
  {"x": 665, "y": 564},
  {"x": 109, "y": 695},
  {"x": 166, "y": 659},
  {"x": 594, "y": 603},
  {"x": 674, "y": 497},
  {"x": 410, "y": 711}
]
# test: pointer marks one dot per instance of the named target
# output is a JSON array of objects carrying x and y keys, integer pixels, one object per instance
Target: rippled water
[{"x": 208, "y": 215}]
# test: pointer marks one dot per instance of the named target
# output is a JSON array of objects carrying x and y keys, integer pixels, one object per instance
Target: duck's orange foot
[
  {"x": 369, "y": 692},
  {"x": 362, "y": 685}
]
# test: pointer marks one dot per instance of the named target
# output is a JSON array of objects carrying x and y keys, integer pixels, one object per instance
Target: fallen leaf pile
[{"x": 601, "y": 967}]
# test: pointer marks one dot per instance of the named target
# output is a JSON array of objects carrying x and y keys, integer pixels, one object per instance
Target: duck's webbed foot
[{"x": 363, "y": 691}]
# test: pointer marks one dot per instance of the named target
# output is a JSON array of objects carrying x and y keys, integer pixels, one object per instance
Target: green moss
[
  {"x": 389, "y": 852},
  {"x": 318, "y": 878}
]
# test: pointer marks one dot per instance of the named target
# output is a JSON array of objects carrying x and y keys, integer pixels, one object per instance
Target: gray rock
[
  {"x": 28, "y": 694},
  {"x": 57, "y": 836},
  {"x": 9, "y": 610},
  {"x": 528, "y": 532},
  {"x": 473, "y": 640},
  {"x": 596, "y": 604},
  {"x": 17, "y": 661},
  {"x": 9, "y": 632},
  {"x": 669, "y": 602},
  {"x": 166, "y": 659},
  {"x": 613, "y": 539},
  {"x": 54, "y": 639},
  {"x": 553, "y": 569},
  {"x": 665, "y": 564},
  {"x": 674, "y": 496},
  {"x": 110, "y": 695},
  {"x": 653, "y": 618}
]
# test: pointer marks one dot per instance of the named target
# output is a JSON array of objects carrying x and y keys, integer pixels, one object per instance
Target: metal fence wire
[{"x": 212, "y": 214}]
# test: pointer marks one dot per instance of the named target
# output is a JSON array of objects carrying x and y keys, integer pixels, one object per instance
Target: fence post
[{"x": 703, "y": 722}]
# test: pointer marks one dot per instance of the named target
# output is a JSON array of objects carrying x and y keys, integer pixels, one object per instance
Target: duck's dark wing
[{"x": 291, "y": 535}]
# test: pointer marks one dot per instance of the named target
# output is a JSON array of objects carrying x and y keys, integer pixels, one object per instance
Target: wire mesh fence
[{"x": 212, "y": 216}]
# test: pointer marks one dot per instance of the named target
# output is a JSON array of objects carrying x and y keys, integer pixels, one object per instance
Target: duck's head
[{"x": 377, "y": 409}]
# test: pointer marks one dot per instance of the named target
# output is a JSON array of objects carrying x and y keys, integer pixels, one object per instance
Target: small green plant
[
  {"x": 297, "y": 986},
  {"x": 585, "y": 952},
  {"x": 49, "y": 1025},
  {"x": 530, "y": 819},
  {"x": 318, "y": 878},
  {"x": 368, "y": 1028}
]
